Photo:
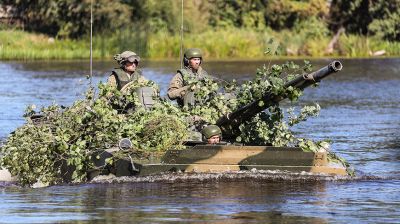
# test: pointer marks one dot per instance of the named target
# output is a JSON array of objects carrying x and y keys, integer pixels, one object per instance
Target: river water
[{"x": 360, "y": 114}]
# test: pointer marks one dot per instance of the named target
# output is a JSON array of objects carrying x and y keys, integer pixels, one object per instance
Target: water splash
[{"x": 259, "y": 175}]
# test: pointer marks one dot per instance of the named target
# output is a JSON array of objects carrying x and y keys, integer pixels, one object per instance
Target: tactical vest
[
  {"x": 146, "y": 96},
  {"x": 122, "y": 77},
  {"x": 188, "y": 73}
]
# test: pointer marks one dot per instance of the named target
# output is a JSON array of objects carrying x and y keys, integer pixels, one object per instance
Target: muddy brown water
[{"x": 360, "y": 114}]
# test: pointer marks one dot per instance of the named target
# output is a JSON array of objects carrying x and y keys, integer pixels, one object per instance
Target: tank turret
[{"x": 230, "y": 123}]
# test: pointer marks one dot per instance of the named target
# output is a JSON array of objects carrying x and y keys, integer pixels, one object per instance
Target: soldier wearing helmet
[
  {"x": 211, "y": 134},
  {"x": 127, "y": 72},
  {"x": 178, "y": 86}
]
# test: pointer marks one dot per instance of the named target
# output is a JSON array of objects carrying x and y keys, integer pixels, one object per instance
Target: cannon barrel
[
  {"x": 229, "y": 123},
  {"x": 303, "y": 81}
]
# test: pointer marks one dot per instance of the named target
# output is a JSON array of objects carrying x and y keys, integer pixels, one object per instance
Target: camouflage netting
[{"x": 34, "y": 151}]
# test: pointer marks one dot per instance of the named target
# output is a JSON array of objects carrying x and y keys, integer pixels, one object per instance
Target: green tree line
[
  {"x": 71, "y": 18},
  {"x": 221, "y": 28}
]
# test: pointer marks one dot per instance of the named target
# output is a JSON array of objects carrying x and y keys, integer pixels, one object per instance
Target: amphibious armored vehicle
[{"x": 224, "y": 157}]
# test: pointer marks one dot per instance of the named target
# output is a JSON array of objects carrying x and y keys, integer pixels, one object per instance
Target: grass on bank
[{"x": 221, "y": 44}]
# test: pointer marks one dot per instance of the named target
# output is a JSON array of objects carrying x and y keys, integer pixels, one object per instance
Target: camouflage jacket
[{"x": 178, "y": 85}]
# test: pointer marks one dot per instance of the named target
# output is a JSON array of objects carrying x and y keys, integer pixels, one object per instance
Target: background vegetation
[{"x": 222, "y": 28}]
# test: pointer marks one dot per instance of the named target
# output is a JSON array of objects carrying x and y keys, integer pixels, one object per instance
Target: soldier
[
  {"x": 127, "y": 72},
  {"x": 211, "y": 134},
  {"x": 178, "y": 86}
]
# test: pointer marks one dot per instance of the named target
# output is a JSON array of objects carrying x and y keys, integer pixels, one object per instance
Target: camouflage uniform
[{"x": 178, "y": 86}]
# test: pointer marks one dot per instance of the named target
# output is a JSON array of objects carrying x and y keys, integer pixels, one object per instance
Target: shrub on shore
[{"x": 230, "y": 43}]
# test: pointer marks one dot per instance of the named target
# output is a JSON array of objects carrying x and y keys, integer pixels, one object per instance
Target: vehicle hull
[{"x": 224, "y": 158}]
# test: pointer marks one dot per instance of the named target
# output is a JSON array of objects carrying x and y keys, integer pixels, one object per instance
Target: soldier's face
[
  {"x": 214, "y": 139},
  {"x": 130, "y": 66},
  {"x": 195, "y": 63}
]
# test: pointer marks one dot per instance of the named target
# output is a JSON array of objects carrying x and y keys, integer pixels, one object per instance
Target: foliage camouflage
[
  {"x": 70, "y": 136},
  {"x": 36, "y": 150}
]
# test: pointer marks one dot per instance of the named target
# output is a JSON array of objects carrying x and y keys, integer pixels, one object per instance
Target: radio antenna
[
  {"x": 91, "y": 43},
  {"x": 181, "y": 50}
]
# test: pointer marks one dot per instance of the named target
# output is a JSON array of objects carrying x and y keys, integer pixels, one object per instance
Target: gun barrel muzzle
[{"x": 336, "y": 66}]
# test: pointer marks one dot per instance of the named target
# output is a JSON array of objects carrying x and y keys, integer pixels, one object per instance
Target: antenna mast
[
  {"x": 91, "y": 42},
  {"x": 181, "y": 51}
]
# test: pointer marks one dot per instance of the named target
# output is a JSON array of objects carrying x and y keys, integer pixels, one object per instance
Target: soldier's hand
[
  {"x": 196, "y": 118},
  {"x": 193, "y": 88},
  {"x": 182, "y": 91}
]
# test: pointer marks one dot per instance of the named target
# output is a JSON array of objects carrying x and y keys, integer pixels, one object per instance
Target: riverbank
[{"x": 222, "y": 45}]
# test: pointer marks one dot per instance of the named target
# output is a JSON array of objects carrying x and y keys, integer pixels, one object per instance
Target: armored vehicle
[{"x": 229, "y": 156}]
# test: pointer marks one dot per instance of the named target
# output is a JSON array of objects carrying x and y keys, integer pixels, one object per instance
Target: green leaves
[
  {"x": 308, "y": 145},
  {"x": 306, "y": 111},
  {"x": 35, "y": 151},
  {"x": 270, "y": 127}
]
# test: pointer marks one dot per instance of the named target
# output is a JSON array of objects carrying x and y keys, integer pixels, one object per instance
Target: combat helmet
[
  {"x": 210, "y": 130},
  {"x": 126, "y": 56},
  {"x": 192, "y": 53}
]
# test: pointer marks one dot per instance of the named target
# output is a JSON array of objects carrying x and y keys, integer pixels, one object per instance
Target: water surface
[{"x": 360, "y": 114}]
